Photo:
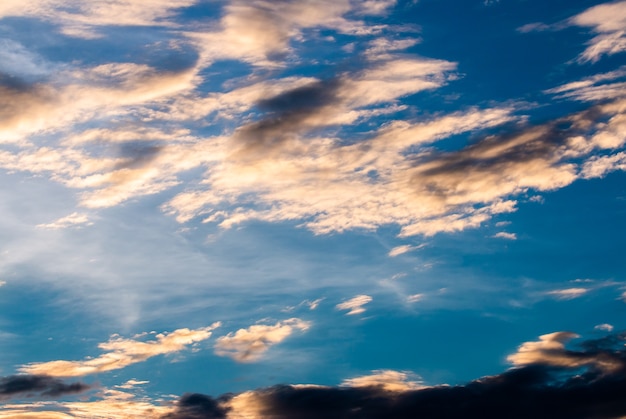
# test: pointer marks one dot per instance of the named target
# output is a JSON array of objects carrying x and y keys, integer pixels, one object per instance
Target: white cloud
[
  {"x": 604, "y": 327},
  {"x": 355, "y": 304},
  {"x": 505, "y": 235},
  {"x": 568, "y": 293},
  {"x": 74, "y": 219},
  {"x": 122, "y": 352},
  {"x": 405, "y": 248},
  {"x": 82, "y": 19},
  {"x": 249, "y": 345},
  {"x": 608, "y": 20},
  {"x": 415, "y": 298},
  {"x": 314, "y": 304},
  {"x": 388, "y": 380}
]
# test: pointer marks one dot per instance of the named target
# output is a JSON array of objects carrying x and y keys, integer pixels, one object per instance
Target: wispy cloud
[
  {"x": 74, "y": 219},
  {"x": 355, "y": 304},
  {"x": 122, "y": 352},
  {"x": 505, "y": 235},
  {"x": 568, "y": 293},
  {"x": 405, "y": 248},
  {"x": 414, "y": 298},
  {"x": 608, "y": 21},
  {"x": 249, "y": 345},
  {"x": 82, "y": 19}
]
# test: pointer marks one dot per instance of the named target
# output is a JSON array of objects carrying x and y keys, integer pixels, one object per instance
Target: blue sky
[{"x": 218, "y": 209}]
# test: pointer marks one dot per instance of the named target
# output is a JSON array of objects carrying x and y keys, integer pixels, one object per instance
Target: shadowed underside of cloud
[
  {"x": 18, "y": 386},
  {"x": 555, "y": 383}
]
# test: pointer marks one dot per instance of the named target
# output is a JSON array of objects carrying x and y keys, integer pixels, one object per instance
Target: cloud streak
[
  {"x": 122, "y": 352},
  {"x": 355, "y": 305},
  {"x": 19, "y": 386}
]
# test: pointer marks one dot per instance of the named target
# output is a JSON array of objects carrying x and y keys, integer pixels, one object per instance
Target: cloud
[
  {"x": 19, "y": 386},
  {"x": 568, "y": 293},
  {"x": 355, "y": 304},
  {"x": 547, "y": 381},
  {"x": 108, "y": 403},
  {"x": 82, "y": 19},
  {"x": 376, "y": 182},
  {"x": 287, "y": 151},
  {"x": 608, "y": 20},
  {"x": 550, "y": 350},
  {"x": 73, "y": 219},
  {"x": 399, "y": 250},
  {"x": 260, "y": 32},
  {"x": 388, "y": 380},
  {"x": 542, "y": 388},
  {"x": 593, "y": 88},
  {"x": 415, "y": 298},
  {"x": 505, "y": 235},
  {"x": 375, "y": 7},
  {"x": 199, "y": 406},
  {"x": 605, "y": 327},
  {"x": 122, "y": 352},
  {"x": 76, "y": 95},
  {"x": 314, "y": 304},
  {"x": 249, "y": 345}
]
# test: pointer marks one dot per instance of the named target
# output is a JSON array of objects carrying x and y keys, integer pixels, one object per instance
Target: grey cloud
[
  {"x": 287, "y": 114},
  {"x": 199, "y": 406},
  {"x": 37, "y": 385},
  {"x": 505, "y": 156}
]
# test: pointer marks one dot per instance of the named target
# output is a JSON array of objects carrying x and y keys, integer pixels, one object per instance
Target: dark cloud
[
  {"x": 288, "y": 114},
  {"x": 304, "y": 99},
  {"x": 137, "y": 154},
  {"x": 37, "y": 385},
  {"x": 12, "y": 83},
  {"x": 538, "y": 391},
  {"x": 199, "y": 406},
  {"x": 519, "y": 146}
]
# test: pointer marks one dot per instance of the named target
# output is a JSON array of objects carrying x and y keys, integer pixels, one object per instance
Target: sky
[{"x": 312, "y": 209}]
